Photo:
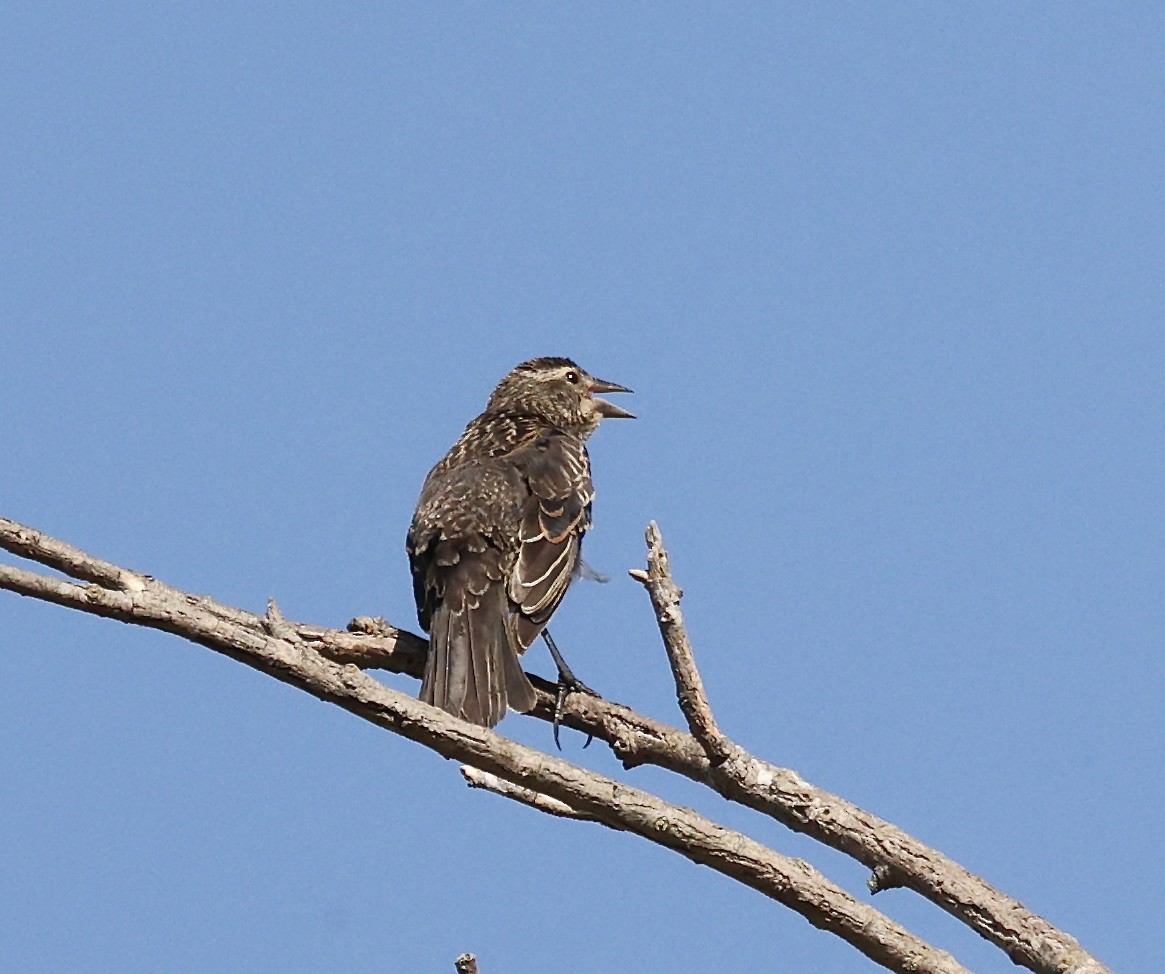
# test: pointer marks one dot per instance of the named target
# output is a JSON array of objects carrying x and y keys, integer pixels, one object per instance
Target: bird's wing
[
  {"x": 460, "y": 508},
  {"x": 460, "y": 564},
  {"x": 555, "y": 516}
]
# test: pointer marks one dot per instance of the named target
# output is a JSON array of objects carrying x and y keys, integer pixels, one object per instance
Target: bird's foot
[{"x": 568, "y": 683}]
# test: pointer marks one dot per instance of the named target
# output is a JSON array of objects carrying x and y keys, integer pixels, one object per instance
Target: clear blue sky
[{"x": 887, "y": 282}]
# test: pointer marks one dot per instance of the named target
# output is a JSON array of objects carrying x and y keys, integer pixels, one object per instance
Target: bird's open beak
[{"x": 608, "y": 409}]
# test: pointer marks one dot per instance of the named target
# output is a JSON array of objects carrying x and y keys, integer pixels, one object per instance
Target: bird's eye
[{"x": 572, "y": 377}]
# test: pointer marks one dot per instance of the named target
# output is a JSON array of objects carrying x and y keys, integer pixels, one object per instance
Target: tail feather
[
  {"x": 472, "y": 670},
  {"x": 485, "y": 696},
  {"x": 440, "y": 684},
  {"x": 519, "y": 690}
]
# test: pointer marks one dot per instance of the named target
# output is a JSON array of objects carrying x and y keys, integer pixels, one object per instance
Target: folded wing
[{"x": 555, "y": 517}]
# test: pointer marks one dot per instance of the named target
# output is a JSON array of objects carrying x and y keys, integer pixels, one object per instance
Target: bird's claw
[
  {"x": 567, "y": 683},
  {"x": 565, "y": 687}
]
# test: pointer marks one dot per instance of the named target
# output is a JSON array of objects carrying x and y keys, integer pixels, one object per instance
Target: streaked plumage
[{"x": 495, "y": 538}]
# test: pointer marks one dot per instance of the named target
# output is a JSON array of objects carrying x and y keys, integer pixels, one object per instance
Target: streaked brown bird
[{"x": 496, "y": 535}]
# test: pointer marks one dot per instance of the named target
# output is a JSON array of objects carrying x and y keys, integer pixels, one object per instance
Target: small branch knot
[
  {"x": 885, "y": 877},
  {"x": 275, "y": 624}
]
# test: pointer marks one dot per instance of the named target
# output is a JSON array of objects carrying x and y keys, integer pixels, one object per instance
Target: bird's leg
[
  {"x": 567, "y": 683},
  {"x": 565, "y": 676}
]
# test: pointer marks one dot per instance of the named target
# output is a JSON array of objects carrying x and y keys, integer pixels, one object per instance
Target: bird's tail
[{"x": 472, "y": 670}]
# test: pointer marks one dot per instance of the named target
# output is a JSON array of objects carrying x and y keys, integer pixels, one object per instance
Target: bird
[{"x": 496, "y": 535}]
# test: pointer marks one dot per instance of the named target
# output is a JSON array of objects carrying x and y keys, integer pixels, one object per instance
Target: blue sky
[{"x": 887, "y": 282}]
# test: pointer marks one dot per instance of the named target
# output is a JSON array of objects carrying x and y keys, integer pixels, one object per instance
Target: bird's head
[{"x": 558, "y": 391}]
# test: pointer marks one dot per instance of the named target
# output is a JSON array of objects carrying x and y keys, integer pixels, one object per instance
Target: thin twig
[
  {"x": 476, "y": 778},
  {"x": 665, "y": 599}
]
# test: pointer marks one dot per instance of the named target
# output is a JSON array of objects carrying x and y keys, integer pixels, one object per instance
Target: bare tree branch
[
  {"x": 895, "y": 858},
  {"x": 289, "y": 659},
  {"x": 36, "y": 546},
  {"x": 693, "y": 700},
  {"x": 314, "y": 658},
  {"x": 477, "y": 778}
]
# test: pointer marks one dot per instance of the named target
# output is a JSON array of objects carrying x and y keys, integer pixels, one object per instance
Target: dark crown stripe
[{"x": 545, "y": 362}]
